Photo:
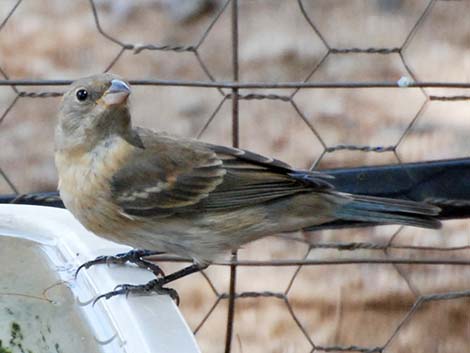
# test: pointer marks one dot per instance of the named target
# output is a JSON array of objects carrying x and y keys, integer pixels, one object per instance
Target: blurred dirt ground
[{"x": 338, "y": 305}]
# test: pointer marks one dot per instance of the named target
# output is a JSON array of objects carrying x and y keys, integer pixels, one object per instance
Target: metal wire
[
  {"x": 235, "y": 96},
  {"x": 235, "y": 143},
  {"x": 252, "y": 85}
]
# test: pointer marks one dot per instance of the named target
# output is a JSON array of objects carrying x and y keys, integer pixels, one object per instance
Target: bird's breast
[{"x": 85, "y": 182}]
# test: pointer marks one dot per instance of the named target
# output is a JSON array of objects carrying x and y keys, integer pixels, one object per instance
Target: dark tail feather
[{"x": 389, "y": 211}]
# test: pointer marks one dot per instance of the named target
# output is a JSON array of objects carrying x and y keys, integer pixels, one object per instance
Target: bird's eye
[{"x": 81, "y": 94}]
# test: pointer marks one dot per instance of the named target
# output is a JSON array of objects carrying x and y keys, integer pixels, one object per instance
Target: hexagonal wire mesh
[{"x": 411, "y": 303}]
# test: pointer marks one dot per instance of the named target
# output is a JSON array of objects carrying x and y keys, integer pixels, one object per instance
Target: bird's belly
[{"x": 202, "y": 237}]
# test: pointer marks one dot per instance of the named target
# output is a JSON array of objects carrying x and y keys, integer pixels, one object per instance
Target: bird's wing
[{"x": 172, "y": 175}]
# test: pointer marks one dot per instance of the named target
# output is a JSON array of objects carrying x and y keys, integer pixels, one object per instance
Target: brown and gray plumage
[{"x": 155, "y": 191}]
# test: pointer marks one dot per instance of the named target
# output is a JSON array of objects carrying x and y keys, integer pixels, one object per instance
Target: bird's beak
[{"x": 117, "y": 93}]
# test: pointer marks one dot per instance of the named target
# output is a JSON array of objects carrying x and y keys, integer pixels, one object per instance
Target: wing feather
[{"x": 173, "y": 175}]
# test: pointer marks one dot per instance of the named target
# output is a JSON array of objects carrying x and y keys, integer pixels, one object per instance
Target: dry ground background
[{"x": 347, "y": 305}]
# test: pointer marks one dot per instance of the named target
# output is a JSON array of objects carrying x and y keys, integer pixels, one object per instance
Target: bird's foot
[
  {"x": 133, "y": 256},
  {"x": 154, "y": 286}
]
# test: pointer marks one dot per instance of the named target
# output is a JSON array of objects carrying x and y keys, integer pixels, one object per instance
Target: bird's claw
[
  {"x": 88, "y": 264},
  {"x": 108, "y": 295},
  {"x": 133, "y": 256},
  {"x": 152, "y": 286}
]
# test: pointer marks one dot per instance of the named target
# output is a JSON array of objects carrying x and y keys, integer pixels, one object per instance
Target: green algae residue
[
  {"x": 15, "y": 342},
  {"x": 4, "y": 349}
]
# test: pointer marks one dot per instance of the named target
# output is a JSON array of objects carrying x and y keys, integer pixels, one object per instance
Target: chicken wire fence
[{"x": 235, "y": 92}]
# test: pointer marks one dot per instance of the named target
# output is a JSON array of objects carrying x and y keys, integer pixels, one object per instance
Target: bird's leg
[
  {"x": 133, "y": 256},
  {"x": 155, "y": 285}
]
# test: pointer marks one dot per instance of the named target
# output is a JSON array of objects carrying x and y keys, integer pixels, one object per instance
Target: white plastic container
[{"x": 52, "y": 244}]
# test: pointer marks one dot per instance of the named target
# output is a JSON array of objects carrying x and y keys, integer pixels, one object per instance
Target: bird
[{"x": 160, "y": 193}]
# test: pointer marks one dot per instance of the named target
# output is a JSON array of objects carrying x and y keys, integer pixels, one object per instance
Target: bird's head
[{"x": 93, "y": 109}]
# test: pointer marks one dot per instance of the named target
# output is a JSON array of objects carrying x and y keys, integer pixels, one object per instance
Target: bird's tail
[{"x": 381, "y": 210}]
